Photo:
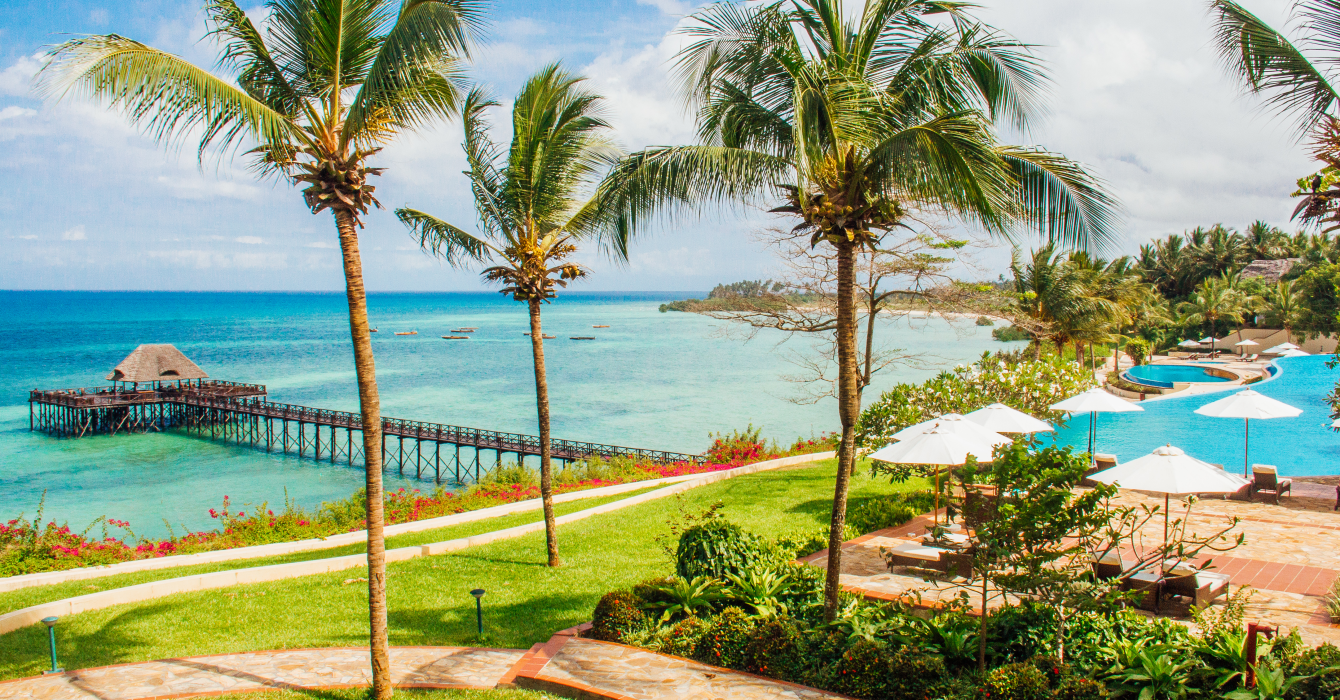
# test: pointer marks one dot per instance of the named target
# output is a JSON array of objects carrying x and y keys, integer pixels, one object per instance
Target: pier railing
[{"x": 109, "y": 396}]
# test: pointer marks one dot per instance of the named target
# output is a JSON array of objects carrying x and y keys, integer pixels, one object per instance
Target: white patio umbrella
[
  {"x": 1294, "y": 352},
  {"x": 1248, "y": 404},
  {"x": 1282, "y": 347},
  {"x": 938, "y": 446},
  {"x": 1245, "y": 344},
  {"x": 1189, "y": 344},
  {"x": 956, "y": 424},
  {"x": 1171, "y": 472},
  {"x": 1002, "y": 419},
  {"x": 1095, "y": 401}
]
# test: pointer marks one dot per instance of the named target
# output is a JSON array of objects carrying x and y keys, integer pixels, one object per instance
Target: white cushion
[
  {"x": 917, "y": 551},
  {"x": 1265, "y": 469}
]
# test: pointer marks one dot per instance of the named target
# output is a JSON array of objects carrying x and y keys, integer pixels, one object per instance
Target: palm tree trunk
[
  {"x": 369, "y": 405},
  {"x": 849, "y": 409},
  {"x": 542, "y": 406}
]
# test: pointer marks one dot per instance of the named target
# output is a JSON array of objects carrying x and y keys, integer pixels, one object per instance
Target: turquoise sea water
[
  {"x": 1299, "y": 446},
  {"x": 653, "y": 380}
]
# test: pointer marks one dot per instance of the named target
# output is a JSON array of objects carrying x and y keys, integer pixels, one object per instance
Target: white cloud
[
  {"x": 207, "y": 259},
  {"x": 74, "y": 234},
  {"x": 670, "y": 7},
  {"x": 28, "y": 237},
  {"x": 14, "y": 112},
  {"x": 325, "y": 245},
  {"x": 16, "y": 79},
  {"x": 645, "y": 111},
  {"x": 249, "y": 240},
  {"x": 208, "y": 186}
]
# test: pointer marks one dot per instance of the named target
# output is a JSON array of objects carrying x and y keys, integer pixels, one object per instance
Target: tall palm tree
[
  {"x": 531, "y": 209},
  {"x": 1223, "y": 251},
  {"x": 1265, "y": 242},
  {"x": 314, "y": 96},
  {"x": 1213, "y": 301},
  {"x": 851, "y": 119},
  {"x": 1281, "y": 305}
]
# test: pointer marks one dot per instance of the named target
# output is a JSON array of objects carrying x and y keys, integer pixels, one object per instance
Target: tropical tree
[
  {"x": 313, "y": 97},
  {"x": 531, "y": 212},
  {"x": 1213, "y": 301},
  {"x": 851, "y": 119},
  {"x": 1282, "y": 305},
  {"x": 1266, "y": 242},
  {"x": 1223, "y": 251}
]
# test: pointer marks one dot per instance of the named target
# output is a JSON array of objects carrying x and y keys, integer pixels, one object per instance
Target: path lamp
[
  {"x": 51, "y": 636},
  {"x": 478, "y": 593}
]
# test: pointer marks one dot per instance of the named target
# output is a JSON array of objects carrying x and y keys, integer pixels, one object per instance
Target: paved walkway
[
  {"x": 425, "y": 667},
  {"x": 605, "y": 670}
]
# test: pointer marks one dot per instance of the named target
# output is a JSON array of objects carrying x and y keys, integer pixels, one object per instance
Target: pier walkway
[{"x": 241, "y": 413}]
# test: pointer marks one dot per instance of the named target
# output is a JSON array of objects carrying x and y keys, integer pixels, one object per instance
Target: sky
[{"x": 88, "y": 202}]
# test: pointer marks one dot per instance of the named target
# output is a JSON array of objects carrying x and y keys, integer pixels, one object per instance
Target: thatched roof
[
  {"x": 154, "y": 363},
  {"x": 1269, "y": 271}
]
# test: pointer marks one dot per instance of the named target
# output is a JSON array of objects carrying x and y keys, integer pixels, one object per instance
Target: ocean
[{"x": 651, "y": 380}]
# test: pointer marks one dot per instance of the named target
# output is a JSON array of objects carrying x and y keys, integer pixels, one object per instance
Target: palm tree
[
  {"x": 852, "y": 119},
  {"x": 530, "y": 208},
  {"x": 1265, "y": 242},
  {"x": 1213, "y": 301},
  {"x": 1282, "y": 304},
  {"x": 1222, "y": 251},
  {"x": 315, "y": 96}
]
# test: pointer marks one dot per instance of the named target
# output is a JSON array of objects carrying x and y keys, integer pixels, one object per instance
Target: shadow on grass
[
  {"x": 517, "y": 625},
  {"x": 26, "y": 651}
]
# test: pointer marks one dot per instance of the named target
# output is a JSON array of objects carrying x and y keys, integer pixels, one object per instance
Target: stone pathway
[
  {"x": 424, "y": 667},
  {"x": 605, "y": 670}
]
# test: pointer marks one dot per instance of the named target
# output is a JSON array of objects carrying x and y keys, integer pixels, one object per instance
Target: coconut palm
[
  {"x": 1213, "y": 301},
  {"x": 1266, "y": 242},
  {"x": 852, "y": 119},
  {"x": 313, "y": 97},
  {"x": 531, "y": 211},
  {"x": 1281, "y": 305},
  {"x": 1222, "y": 251}
]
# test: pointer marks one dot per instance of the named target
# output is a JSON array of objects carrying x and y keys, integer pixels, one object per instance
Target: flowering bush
[
  {"x": 747, "y": 446},
  {"x": 1028, "y": 385},
  {"x": 29, "y": 546}
]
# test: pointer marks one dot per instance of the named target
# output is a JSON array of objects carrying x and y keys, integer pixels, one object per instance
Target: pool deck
[{"x": 1291, "y": 559}]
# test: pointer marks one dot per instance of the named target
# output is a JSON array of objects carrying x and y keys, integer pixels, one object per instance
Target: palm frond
[
  {"x": 1061, "y": 200},
  {"x": 663, "y": 182},
  {"x": 1269, "y": 64},
  {"x": 166, "y": 96},
  {"x": 454, "y": 245},
  {"x": 245, "y": 53},
  {"x": 416, "y": 75}
]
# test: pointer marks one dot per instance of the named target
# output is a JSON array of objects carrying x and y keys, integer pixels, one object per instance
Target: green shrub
[
  {"x": 1323, "y": 684},
  {"x": 726, "y": 639},
  {"x": 1080, "y": 688},
  {"x": 1138, "y": 350},
  {"x": 914, "y": 673},
  {"x": 1016, "y": 682},
  {"x": 618, "y": 615},
  {"x": 863, "y": 671},
  {"x": 891, "y": 511},
  {"x": 985, "y": 321},
  {"x": 775, "y": 649},
  {"x": 683, "y": 638},
  {"x": 1020, "y": 632},
  {"x": 1010, "y": 333},
  {"x": 652, "y": 590},
  {"x": 716, "y": 548}
]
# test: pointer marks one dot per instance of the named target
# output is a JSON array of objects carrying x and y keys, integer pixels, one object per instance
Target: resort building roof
[
  {"x": 155, "y": 363},
  {"x": 1269, "y": 270}
]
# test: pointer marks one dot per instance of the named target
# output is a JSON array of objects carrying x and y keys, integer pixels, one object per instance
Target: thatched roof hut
[
  {"x": 156, "y": 363},
  {"x": 1269, "y": 271}
]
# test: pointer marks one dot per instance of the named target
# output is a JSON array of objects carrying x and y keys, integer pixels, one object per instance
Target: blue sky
[{"x": 88, "y": 203}]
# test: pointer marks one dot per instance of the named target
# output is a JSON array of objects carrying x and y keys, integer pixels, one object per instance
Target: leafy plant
[
  {"x": 1138, "y": 350},
  {"x": 1271, "y": 684},
  {"x": 1333, "y": 601},
  {"x": 760, "y": 590},
  {"x": 1152, "y": 673},
  {"x": 686, "y": 597},
  {"x": 725, "y": 642},
  {"x": 716, "y": 548},
  {"x": 617, "y": 616}
]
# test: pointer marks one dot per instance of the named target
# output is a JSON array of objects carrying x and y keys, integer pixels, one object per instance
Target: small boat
[
  {"x": 455, "y": 337},
  {"x": 582, "y": 337},
  {"x": 463, "y": 330},
  {"x": 372, "y": 330},
  {"x": 407, "y": 332},
  {"x": 600, "y": 326},
  {"x": 469, "y": 328}
]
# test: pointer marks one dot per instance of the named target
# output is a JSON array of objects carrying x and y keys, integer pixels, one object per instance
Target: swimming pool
[
  {"x": 1165, "y": 375},
  {"x": 1301, "y": 446}
]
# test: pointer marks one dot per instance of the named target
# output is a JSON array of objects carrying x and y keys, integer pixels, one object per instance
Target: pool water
[
  {"x": 1167, "y": 375},
  {"x": 1301, "y": 446}
]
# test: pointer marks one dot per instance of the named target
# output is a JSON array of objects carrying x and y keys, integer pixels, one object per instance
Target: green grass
[
  {"x": 24, "y": 597},
  {"x": 429, "y": 597}
]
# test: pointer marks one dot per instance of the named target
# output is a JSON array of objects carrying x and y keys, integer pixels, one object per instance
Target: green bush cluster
[
  {"x": 717, "y": 548},
  {"x": 889, "y": 511}
]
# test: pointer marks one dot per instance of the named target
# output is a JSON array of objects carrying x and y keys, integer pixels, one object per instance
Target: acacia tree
[
  {"x": 531, "y": 211},
  {"x": 319, "y": 92},
  {"x": 851, "y": 120}
]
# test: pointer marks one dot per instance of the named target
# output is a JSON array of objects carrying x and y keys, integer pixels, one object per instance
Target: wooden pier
[{"x": 240, "y": 413}]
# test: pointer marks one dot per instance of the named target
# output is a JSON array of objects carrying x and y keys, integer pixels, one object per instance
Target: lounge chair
[
  {"x": 1252, "y": 358},
  {"x": 923, "y": 557},
  {"x": 1265, "y": 479},
  {"x": 1108, "y": 566},
  {"x": 1201, "y": 587}
]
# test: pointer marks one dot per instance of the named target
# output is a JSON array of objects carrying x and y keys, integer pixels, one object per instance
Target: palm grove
[{"x": 848, "y": 122}]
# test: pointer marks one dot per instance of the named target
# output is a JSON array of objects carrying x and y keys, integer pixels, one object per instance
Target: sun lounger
[
  {"x": 1252, "y": 358},
  {"x": 1265, "y": 479},
  {"x": 1109, "y": 566},
  {"x": 923, "y": 557},
  {"x": 1201, "y": 587}
]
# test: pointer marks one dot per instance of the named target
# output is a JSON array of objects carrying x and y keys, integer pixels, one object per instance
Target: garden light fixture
[
  {"x": 478, "y": 593},
  {"x": 51, "y": 635}
]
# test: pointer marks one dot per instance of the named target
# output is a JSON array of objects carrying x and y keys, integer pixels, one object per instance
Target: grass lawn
[
  {"x": 24, "y": 597},
  {"x": 429, "y": 597}
]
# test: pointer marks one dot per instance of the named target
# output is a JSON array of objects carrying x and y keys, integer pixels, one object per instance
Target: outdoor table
[{"x": 1149, "y": 582}]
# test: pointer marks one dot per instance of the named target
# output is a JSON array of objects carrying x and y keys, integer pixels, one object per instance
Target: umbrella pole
[
  {"x": 1246, "y": 442},
  {"x": 937, "y": 495},
  {"x": 1092, "y": 417},
  {"x": 1165, "y": 529}
]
